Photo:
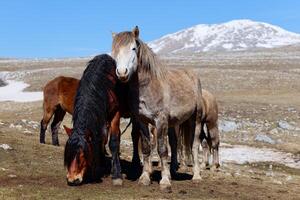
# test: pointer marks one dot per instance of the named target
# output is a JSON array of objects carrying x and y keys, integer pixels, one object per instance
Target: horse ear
[
  {"x": 136, "y": 32},
  {"x": 113, "y": 34},
  {"x": 68, "y": 130}
]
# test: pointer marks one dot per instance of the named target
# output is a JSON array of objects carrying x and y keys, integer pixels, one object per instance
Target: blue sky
[{"x": 69, "y": 28}]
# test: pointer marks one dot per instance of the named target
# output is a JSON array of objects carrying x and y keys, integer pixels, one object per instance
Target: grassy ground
[
  {"x": 34, "y": 171},
  {"x": 262, "y": 91}
]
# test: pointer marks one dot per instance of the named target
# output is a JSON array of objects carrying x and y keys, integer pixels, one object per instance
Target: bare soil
[{"x": 259, "y": 88}]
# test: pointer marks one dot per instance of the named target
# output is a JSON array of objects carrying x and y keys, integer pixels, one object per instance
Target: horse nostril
[
  {"x": 77, "y": 181},
  {"x": 117, "y": 72},
  {"x": 126, "y": 70},
  {"x": 74, "y": 183}
]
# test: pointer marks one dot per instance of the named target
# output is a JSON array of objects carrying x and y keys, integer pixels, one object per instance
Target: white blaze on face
[{"x": 126, "y": 60}]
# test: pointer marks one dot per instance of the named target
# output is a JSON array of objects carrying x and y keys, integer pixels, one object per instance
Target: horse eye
[{"x": 133, "y": 49}]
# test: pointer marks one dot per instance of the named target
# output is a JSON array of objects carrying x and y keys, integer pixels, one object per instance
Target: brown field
[{"x": 256, "y": 90}]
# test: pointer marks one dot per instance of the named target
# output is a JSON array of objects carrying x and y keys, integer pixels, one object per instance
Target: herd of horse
[{"x": 167, "y": 104}]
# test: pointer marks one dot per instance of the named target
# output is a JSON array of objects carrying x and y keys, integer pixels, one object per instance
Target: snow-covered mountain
[{"x": 231, "y": 36}]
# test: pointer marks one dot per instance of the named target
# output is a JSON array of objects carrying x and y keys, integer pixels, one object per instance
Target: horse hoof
[
  {"x": 184, "y": 168},
  {"x": 204, "y": 166},
  {"x": 196, "y": 178},
  {"x": 136, "y": 162},
  {"x": 144, "y": 179},
  {"x": 117, "y": 182},
  {"x": 165, "y": 184},
  {"x": 215, "y": 168}
]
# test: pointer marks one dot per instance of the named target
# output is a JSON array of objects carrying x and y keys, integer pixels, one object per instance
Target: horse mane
[
  {"x": 91, "y": 106},
  {"x": 147, "y": 59}
]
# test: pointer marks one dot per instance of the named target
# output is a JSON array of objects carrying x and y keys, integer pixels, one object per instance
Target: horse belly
[
  {"x": 182, "y": 104},
  {"x": 180, "y": 113}
]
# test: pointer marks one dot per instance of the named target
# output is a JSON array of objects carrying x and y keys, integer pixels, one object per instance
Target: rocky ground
[{"x": 259, "y": 99}]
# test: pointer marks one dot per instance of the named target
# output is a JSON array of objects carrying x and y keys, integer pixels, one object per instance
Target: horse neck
[
  {"x": 144, "y": 84},
  {"x": 147, "y": 79},
  {"x": 146, "y": 90}
]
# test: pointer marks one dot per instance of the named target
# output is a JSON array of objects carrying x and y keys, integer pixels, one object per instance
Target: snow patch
[
  {"x": 227, "y": 46},
  {"x": 241, "y": 154},
  {"x": 286, "y": 126},
  {"x": 13, "y": 91},
  {"x": 5, "y": 147},
  {"x": 227, "y": 126},
  {"x": 264, "y": 138}
]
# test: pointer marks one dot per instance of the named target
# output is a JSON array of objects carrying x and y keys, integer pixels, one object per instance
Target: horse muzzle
[
  {"x": 124, "y": 79},
  {"x": 123, "y": 76},
  {"x": 75, "y": 182}
]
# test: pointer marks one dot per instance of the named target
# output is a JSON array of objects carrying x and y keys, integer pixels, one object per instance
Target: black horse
[{"x": 97, "y": 112}]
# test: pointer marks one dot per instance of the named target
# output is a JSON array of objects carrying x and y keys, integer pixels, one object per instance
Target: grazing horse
[
  {"x": 96, "y": 107},
  {"x": 59, "y": 95},
  {"x": 159, "y": 96},
  {"x": 211, "y": 139}
]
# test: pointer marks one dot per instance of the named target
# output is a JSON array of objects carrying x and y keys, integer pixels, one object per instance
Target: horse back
[
  {"x": 210, "y": 106},
  {"x": 61, "y": 91}
]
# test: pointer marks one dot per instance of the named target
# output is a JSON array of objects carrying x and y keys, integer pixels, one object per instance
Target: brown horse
[
  {"x": 59, "y": 95},
  {"x": 211, "y": 139},
  {"x": 158, "y": 96}
]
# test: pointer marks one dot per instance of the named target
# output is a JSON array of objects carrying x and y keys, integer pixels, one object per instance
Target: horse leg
[
  {"x": 173, "y": 144},
  {"x": 114, "y": 146},
  {"x": 135, "y": 135},
  {"x": 183, "y": 156},
  {"x": 205, "y": 147},
  {"x": 162, "y": 133},
  {"x": 180, "y": 149},
  {"x": 48, "y": 113},
  {"x": 146, "y": 150},
  {"x": 215, "y": 142},
  {"x": 59, "y": 115},
  {"x": 186, "y": 131},
  {"x": 195, "y": 149},
  {"x": 153, "y": 139}
]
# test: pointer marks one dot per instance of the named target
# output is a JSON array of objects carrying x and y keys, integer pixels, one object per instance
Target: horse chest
[
  {"x": 146, "y": 109},
  {"x": 145, "y": 101}
]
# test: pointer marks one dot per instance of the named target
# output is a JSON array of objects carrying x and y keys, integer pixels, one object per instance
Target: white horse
[{"x": 159, "y": 96}]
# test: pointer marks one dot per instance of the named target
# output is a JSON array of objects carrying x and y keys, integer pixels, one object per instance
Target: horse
[
  {"x": 59, "y": 95},
  {"x": 96, "y": 117},
  {"x": 181, "y": 141},
  {"x": 159, "y": 96},
  {"x": 210, "y": 139}
]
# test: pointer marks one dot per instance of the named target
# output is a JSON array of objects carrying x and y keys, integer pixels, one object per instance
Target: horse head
[
  {"x": 78, "y": 156},
  {"x": 125, "y": 52}
]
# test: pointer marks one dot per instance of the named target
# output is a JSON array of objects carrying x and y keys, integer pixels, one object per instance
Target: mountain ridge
[{"x": 235, "y": 35}]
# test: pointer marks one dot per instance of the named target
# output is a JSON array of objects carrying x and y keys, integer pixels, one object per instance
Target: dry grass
[{"x": 257, "y": 87}]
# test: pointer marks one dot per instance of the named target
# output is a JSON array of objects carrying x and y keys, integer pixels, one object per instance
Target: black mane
[{"x": 91, "y": 106}]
